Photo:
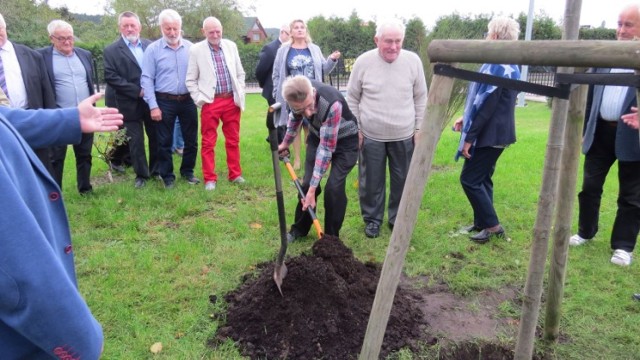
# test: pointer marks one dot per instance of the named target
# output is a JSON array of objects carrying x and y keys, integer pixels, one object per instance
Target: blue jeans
[{"x": 178, "y": 141}]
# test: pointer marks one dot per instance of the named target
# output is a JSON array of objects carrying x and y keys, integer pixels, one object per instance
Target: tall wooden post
[
  {"x": 564, "y": 211},
  {"x": 426, "y": 142},
  {"x": 546, "y": 205}
]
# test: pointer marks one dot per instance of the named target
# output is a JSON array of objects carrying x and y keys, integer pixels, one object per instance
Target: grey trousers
[{"x": 372, "y": 168}]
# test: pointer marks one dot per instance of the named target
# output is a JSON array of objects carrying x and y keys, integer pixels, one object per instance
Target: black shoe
[
  {"x": 117, "y": 168},
  {"x": 390, "y": 226},
  {"x": 293, "y": 236},
  {"x": 636, "y": 297},
  {"x": 470, "y": 228},
  {"x": 192, "y": 180},
  {"x": 169, "y": 184},
  {"x": 140, "y": 183},
  {"x": 372, "y": 230},
  {"x": 486, "y": 235}
]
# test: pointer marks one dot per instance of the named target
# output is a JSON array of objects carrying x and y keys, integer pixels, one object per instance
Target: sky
[{"x": 273, "y": 13}]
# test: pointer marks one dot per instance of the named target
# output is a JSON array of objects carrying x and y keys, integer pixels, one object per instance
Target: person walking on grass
[{"x": 488, "y": 127}]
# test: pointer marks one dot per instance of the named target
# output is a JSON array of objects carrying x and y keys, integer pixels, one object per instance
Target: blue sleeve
[
  {"x": 41, "y": 309},
  {"x": 45, "y": 127}
]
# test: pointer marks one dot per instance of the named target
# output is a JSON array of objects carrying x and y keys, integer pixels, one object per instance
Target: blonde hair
[
  {"x": 307, "y": 38},
  {"x": 504, "y": 28}
]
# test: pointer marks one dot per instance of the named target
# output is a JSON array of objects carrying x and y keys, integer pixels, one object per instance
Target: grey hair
[
  {"x": 213, "y": 19},
  {"x": 58, "y": 24},
  {"x": 296, "y": 88},
  {"x": 2, "y": 23},
  {"x": 128, "y": 14},
  {"x": 504, "y": 28},
  {"x": 169, "y": 15},
  {"x": 390, "y": 24}
]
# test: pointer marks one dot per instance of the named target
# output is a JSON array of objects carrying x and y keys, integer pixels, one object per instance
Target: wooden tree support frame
[{"x": 566, "y": 54}]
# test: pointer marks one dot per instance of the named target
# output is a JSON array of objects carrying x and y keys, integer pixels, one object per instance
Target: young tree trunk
[
  {"x": 539, "y": 247},
  {"x": 564, "y": 211}
]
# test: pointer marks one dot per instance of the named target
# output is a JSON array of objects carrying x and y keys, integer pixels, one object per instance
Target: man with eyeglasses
[
  {"x": 332, "y": 140},
  {"x": 24, "y": 80},
  {"x": 387, "y": 92},
  {"x": 71, "y": 77}
]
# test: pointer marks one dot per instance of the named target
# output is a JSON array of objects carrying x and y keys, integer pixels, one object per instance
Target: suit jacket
[
  {"x": 40, "y": 94},
  {"x": 627, "y": 142},
  {"x": 495, "y": 123},
  {"x": 31, "y": 198},
  {"x": 201, "y": 75},
  {"x": 122, "y": 74},
  {"x": 264, "y": 69},
  {"x": 85, "y": 58}
]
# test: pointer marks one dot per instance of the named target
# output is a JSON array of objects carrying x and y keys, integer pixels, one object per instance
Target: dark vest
[{"x": 326, "y": 95}]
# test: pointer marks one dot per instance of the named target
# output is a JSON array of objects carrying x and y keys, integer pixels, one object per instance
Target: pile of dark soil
[{"x": 324, "y": 312}]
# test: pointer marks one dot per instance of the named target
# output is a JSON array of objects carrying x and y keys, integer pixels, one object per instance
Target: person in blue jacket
[{"x": 42, "y": 314}]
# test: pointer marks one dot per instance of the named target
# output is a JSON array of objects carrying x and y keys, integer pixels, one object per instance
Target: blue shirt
[
  {"x": 136, "y": 50},
  {"x": 164, "y": 69},
  {"x": 70, "y": 79}
]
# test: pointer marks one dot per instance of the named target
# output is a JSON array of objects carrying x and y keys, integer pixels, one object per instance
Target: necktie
[{"x": 3, "y": 80}]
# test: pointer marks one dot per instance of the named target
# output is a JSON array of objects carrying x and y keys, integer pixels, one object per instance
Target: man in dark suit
[
  {"x": 122, "y": 72},
  {"x": 607, "y": 139},
  {"x": 264, "y": 69},
  {"x": 27, "y": 83},
  {"x": 71, "y": 76}
]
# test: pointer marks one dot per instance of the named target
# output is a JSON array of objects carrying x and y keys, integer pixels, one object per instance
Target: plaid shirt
[
  {"x": 328, "y": 139},
  {"x": 222, "y": 73}
]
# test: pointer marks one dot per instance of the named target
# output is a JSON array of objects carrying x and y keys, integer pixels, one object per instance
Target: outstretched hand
[
  {"x": 93, "y": 119},
  {"x": 631, "y": 119}
]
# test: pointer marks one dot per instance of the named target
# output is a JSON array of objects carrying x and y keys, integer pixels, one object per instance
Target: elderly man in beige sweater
[{"x": 387, "y": 93}]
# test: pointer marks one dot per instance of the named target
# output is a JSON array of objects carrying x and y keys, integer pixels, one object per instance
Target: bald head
[
  {"x": 629, "y": 23},
  {"x": 212, "y": 30}
]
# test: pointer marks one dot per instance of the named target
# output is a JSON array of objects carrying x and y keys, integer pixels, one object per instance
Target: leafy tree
[
  {"x": 597, "y": 34},
  {"x": 543, "y": 27},
  {"x": 193, "y": 12},
  {"x": 27, "y": 21},
  {"x": 415, "y": 38}
]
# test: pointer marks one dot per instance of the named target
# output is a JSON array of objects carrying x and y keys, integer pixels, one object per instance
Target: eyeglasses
[
  {"x": 286, "y": 33},
  {"x": 299, "y": 112},
  {"x": 63, "y": 38}
]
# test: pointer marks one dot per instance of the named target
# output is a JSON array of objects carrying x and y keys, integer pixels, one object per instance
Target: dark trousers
[
  {"x": 335, "y": 196},
  {"x": 597, "y": 163},
  {"x": 476, "y": 182},
  {"x": 123, "y": 155},
  {"x": 45, "y": 157},
  {"x": 187, "y": 113},
  {"x": 372, "y": 169},
  {"x": 137, "y": 153},
  {"x": 82, "y": 152}
]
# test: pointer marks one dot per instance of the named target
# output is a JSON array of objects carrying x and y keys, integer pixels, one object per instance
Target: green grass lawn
[{"x": 148, "y": 259}]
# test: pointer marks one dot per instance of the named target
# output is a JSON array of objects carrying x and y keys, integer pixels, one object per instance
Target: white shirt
[
  {"x": 13, "y": 75},
  {"x": 613, "y": 99}
]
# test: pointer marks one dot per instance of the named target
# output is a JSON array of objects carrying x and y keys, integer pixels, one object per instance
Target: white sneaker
[
  {"x": 621, "y": 257},
  {"x": 577, "y": 240},
  {"x": 210, "y": 185}
]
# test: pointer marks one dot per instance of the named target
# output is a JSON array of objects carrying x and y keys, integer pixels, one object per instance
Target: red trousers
[{"x": 225, "y": 110}]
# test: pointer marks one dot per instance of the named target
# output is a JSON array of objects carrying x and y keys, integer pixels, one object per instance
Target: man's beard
[
  {"x": 171, "y": 41},
  {"x": 132, "y": 38}
]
